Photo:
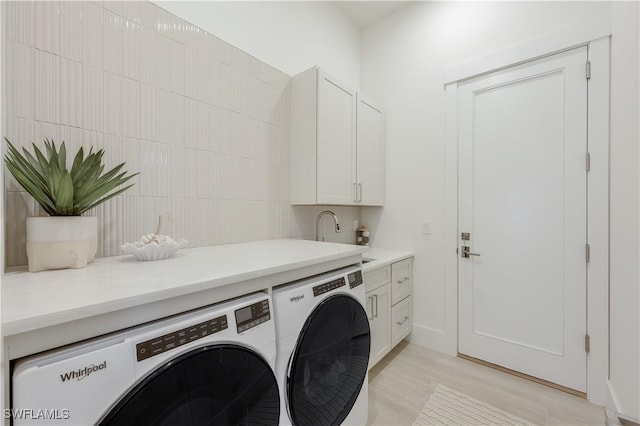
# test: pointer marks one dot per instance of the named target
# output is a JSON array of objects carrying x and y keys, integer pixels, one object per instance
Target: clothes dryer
[
  {"x": 323, "y": 349},
  {"x": 210, "y": 366}
]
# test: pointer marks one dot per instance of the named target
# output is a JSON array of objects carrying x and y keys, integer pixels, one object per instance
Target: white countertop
[
  {"x": 379, "y": 257},
  {"x": 37, "y": 300}
]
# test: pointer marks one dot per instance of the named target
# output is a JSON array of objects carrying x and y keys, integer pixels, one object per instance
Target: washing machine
[
  {"x": 214, "y": 365},
  {"x": 323, "y": 349}
]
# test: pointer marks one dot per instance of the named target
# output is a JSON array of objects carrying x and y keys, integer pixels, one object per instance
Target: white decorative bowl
[{"x": 154, "y": 247}]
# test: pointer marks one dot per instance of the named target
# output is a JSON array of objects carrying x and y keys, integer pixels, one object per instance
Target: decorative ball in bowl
[{"x": 154, "y": 247}]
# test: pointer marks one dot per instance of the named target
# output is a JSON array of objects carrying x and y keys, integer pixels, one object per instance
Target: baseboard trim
[
  {"x": 428, "y": 337},
  {"x": 524, "y": 376}
]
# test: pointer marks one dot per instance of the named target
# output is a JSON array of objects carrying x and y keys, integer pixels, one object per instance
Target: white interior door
[{"x": 522, "y": 199}]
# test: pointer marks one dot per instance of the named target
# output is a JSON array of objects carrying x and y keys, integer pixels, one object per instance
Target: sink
[{"x": 367, "y": 260}]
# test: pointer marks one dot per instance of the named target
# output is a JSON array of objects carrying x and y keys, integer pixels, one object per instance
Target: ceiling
[{"x": 363, "y": 13}]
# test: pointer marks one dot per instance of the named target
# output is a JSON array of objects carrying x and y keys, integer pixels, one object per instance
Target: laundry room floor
[{"x": 401, "y": 384}]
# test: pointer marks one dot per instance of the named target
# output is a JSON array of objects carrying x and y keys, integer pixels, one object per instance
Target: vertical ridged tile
[
  {"x": 162, "y": 62},
  {"x": 113, "y": 35},
  {"x": 71, "y": 39},
  {"x": 213, "y": 129},
  {"x": 21, "y": 133},
  {"x": 163, "y": 116},
  {"x": 112, "y": 103},
  {"x": 114, "y": 152},
  {"x": 149, "y": 215},
  {"x": 177, "y": 120},
  {"x": 178, "y": 29},
  {"x": 177, "y": 166},
  {"x": 130, "y": 108},
  {"x": 224, "y": 132},
  {"x": 131, "y": 50},
  {"x": 113, "y": 6},
  {"x": 147, "y": 112},
  {"x": 42, "y": 130},
  {"x": 132, "y": 211},
  {"x": 70, "y": 93},
  {"x": 163, "y": 170},
  {"x": 148, "y": 168},
  {"x": 177, "y": 67},
  {"x": 131, "y": 10},
  {"x": 92, "y": 35},
  {"x": 225, "y": 83},
  {"x": 20, "y": 17},
  {"x": 46, "y": 26},
  {"x": 190, "y": 118},
  {"x": 191, "y": 157},
  {"x": 21, "y": 76},
  {"x": 47, "y": 92},
  {"x": 163, "y": 22},
  {"x": 93, "y": 99},
  {"x": 191, "y": 88},
  {"x": 131, "y": 149},
  {"x": 147, "y": 57},
  {"x": 148, "y": 13},
  {"x": 19, "y": 205}
]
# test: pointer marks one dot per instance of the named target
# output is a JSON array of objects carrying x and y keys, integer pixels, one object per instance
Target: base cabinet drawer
[
  {"x": 401, "y": 280},
  {"x": 377, "y": 278},
  {"x": 400, "y": 321}
]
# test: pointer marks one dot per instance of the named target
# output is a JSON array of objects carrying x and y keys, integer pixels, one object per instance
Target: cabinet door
[
  {"x": 336, "y": 142},
  {"x": 370, "y": 154},
  {"x": 379, "y": 311},
  {"x": 401, "y": 280}
]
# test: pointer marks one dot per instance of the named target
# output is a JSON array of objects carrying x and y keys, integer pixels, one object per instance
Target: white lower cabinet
[
  {"x": 379, "y": 311},
  {"x": 388, "y": 306}
]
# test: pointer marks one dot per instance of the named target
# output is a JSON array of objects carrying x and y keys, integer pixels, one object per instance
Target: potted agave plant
[{"x": 65, "y": 239}]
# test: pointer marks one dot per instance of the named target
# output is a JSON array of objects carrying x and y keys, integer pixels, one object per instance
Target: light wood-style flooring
[{"x": 402, "y": 382}]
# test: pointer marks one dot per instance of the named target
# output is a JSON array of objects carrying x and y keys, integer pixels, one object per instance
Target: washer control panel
[
  {"x": 355, "y": 279},
  {"x": 252, "y": 315},
  {"x": 166, "y": 342},
  {"x": 328, "y": 286}
]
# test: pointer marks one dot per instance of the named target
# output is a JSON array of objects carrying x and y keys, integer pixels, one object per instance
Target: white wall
[
  {"x": 403, "y": 58},
  {"x": 625, "y": 236},
  {"x": 290, "y": 36}
]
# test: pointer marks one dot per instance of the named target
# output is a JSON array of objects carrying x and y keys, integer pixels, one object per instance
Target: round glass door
[
  {"x": 329, "y": 364},
  {"x": 212, "y": 385}
]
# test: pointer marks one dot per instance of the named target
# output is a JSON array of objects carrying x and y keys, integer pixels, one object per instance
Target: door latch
[{"x": 466, "y": 252}]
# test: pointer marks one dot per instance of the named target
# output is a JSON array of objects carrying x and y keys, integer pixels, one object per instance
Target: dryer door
[
  {"x": 221, "y": 384},
  {"x": 329, "y": 363}
]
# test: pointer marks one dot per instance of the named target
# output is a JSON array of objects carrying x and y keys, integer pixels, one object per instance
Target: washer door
[
  {"x": 221, "y": 384},
  {"x": 329, "y": 363}
]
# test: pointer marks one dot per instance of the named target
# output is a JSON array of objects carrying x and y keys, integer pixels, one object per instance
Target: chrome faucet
[{"x": 335, "y": 220}]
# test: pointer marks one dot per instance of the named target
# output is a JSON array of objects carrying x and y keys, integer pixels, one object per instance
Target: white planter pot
[{"x": 60, "y": 242}]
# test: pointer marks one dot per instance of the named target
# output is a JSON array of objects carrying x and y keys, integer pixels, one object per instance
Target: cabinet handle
[
  {"x": 360, "y": 192},
  {"x": 403, "y": 280},
  {"x": 375, "y": 315},
  {"x": 355, "y": 192},
  {"x": 403, "y": 321},
  {"x": 371, "y": 299}
]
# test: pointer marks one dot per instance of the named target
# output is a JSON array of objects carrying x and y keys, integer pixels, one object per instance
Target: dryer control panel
[
  {"x": 252, "y": 315},
  {"x": 166, "y": 342},
  {"x": 355, "y": 279},
  {"x": 328, "y": 286}
]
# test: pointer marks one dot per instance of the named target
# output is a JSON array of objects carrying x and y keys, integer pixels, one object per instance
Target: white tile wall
[{"x": 204, "y": 123}]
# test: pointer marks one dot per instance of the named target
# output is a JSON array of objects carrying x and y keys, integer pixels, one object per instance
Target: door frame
[{"x": 596, "y": 35}]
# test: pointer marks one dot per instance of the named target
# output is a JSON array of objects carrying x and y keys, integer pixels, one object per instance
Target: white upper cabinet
[
  {"x": 370, "y": 154},
  {"x": 336, "y": 145}
]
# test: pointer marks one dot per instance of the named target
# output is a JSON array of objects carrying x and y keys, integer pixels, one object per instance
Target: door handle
[
  {"x": 359, "y": 192},
  {"x": 371, "y": 299},
  {"x": 375, "y": 315},
  {"x": 466, "y": 252},
  {"x": 403, "y": 321},
  {"x": 355, "y": 192},
  {"x": 403, "y": 280}
]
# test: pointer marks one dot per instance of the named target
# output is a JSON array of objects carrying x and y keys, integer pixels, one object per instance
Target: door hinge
[
  {"x": 588, "y": 162},
  {"x": 587, "y": 252},
  {"x": 587, "y": 343},
  {"x": 588, "y": 70}
]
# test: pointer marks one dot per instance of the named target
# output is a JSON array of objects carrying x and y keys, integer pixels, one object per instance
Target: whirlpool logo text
[{"x": 83, "y": 373}]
